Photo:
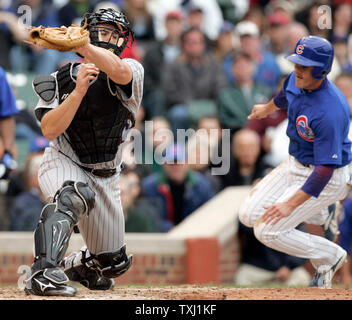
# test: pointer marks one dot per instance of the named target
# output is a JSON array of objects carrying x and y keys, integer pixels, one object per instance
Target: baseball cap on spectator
[
  {"x": 278, "y": 19},
  {"x": 38, "y": 144},
  {"x": 191, "y": 7},
  {"x": 175, "y": 152},
  {"x": 175, "y": 14},
  {"x": 247, "y": 28},
  {"x": 226, "y": 27}
]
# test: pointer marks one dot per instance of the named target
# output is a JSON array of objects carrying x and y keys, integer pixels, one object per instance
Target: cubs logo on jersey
[{"x": 303, "y": 129}]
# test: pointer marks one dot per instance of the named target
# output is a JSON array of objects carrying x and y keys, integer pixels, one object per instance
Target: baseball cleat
[
  {"x": 330, "y": 227},
  {"x": 323, "y": 276},
  {"x": 41, "y": 286}
]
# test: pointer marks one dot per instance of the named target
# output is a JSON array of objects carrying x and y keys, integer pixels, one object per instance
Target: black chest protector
[{"x": 101, "y": 121}]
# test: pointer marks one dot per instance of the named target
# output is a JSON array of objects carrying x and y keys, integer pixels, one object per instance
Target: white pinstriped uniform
[
  {"x": 278, "y": 186},
  {"x": 103, "y": 230}
]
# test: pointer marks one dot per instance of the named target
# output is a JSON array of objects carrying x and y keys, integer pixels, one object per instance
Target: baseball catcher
[{"x": 85, "y": 109}]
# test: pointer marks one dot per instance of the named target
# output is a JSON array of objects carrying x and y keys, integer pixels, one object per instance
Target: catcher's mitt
[{"x": 62, "y": 39}]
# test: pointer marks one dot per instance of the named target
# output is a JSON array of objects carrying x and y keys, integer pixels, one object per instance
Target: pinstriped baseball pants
[
  {"x": 104, "y": 229},
  {"x": 278, "y": 186}
]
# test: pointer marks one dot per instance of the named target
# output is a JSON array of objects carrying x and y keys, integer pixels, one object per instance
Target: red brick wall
[
  {"x": 155, "y": 269},
  {"x": 229, "y": 260},
  {"x": 146, "y": 268},
  {"x": 9, "y": 263}
]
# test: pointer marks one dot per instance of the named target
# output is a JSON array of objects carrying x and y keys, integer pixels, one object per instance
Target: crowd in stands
[{"x": 207, "y": 62}]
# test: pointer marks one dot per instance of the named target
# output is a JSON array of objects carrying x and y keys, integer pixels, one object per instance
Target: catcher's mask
[{"x": 120, "y": 37}]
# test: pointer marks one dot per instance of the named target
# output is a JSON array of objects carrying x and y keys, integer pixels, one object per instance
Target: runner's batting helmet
[
  {"x": 314, "y": 51},
  {"x": 111, "y": 16}
]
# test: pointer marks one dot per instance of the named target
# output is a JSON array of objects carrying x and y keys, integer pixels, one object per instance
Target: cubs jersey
[{"x": 318, "y": 125}]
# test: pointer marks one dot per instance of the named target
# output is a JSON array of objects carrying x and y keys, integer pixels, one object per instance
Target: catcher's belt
[{"x": 103, "y": 173}]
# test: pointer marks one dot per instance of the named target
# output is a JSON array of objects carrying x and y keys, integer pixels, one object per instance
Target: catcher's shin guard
[{"x": 72, "y": 201}]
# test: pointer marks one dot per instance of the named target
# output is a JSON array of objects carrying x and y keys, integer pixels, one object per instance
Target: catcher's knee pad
[
  {"x": 75, "y": 199},
  {"x": 113, "y": 264},
  {"x": 71, "y": 202}
]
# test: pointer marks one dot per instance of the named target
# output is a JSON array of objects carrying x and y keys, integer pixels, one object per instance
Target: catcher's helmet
[
  {"x": 110, "y": 16},
  {"x": 314, "y": 51}
]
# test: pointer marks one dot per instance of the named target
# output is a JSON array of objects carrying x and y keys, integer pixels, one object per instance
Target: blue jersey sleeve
[
  {"x": 280, "y": 100},
  {"x": 7, "y": 99}
]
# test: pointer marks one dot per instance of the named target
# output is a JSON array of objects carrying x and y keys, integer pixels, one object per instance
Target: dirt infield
[{"x": 191, "y": 293}]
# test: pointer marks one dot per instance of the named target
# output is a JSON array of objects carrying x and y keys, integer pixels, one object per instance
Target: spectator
[
  {"x": 296, "y": 31},
  {"x": 192, "y": 82},
  {"x": 261, "y": 265},
  {"x": 141, "y": 20},
  {"x": 211, "y": 125},
  {"x": 233, "y": 10},
  {"x": 211, "y": 11},
  {"x": 159, "y": 53},
  {"x": 256, "y": 14},
  {"x": 287, "y": 7},
  {"x": 26, "y": 207},
  {"x": 204, "y": 15},
  {"x": 11, "y": 32},
  {"x": 31, "y": 58},
  {"x": 145, "y": 159},
  {"x": 341, "y": 53},
  {"x": 344, "y": 83},
  {"x": 345, "y": 239},
  {"x": 8, "y": 111},
  {"x": 160, "y": 138},
  {"x": 246, "y": 166},
  {"x": 312, "y": 22},
  {"x": 235, "y": 102},
  {"x": 272, "y": 132},
  {"x": 140, "y": 213},
  {"x": 17, "y": 182},
  {"x": 180, "y": 190},
  {"x": 342, "y": 21},
  {"x": 224, "y": 45},
  {"x": 276, "y": 144},
  {"x": 277, "y": 32},
  {"x": 73, "y": 10},
  {"x": 199, "y": 150},
  {"x": 195, "y": 19},
  {"x": 262, "y": 126},
  {"x": 26, "y": 125},
  {"x": 8, "y": 150},
  {"x": 267, "y": 71}
]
